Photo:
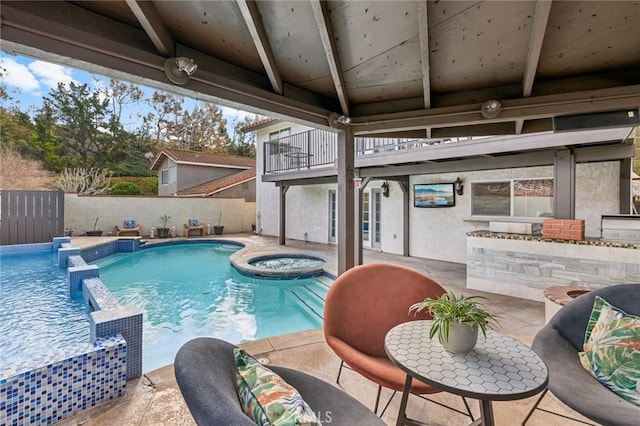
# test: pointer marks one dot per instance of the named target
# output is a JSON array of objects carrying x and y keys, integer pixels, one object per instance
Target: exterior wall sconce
[
  {"x": 385, "y": 190},
  {"x": 178, "y": 70},
  {"x": 491, "y": 109},
  {"x": 458, "y": 186},
  {"x": 336, "y": 120}
]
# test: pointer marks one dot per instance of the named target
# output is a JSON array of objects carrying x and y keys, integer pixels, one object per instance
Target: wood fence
[{"x": 31, "y": 216}]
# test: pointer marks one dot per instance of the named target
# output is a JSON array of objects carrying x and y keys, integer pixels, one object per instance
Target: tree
[
  {"x": 204, "y": 127},
  {"x": 244, "y": 143},
  {"x": 81, "y": 117},
  {"x": 162, "y": 123}
]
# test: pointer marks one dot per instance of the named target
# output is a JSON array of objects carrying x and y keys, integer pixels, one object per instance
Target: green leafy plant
[
  {"x": 164, "y": 218},
  {"x": 126, "y": 188},
  {"x": 452, "y": 308}
]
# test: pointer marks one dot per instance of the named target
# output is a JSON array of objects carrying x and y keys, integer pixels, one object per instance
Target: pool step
[
  {"x": 311, "y": 297},
  {"x": 324, "y": 280}
]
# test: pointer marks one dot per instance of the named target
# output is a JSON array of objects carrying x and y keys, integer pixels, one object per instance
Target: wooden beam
[
  {"x": 535, "y": 107},
  {"x": 253, "y": 20},
  {"x": 146, "y": 13},
  {"x": 564, "y": 188},
  {"x": 423, "y": 37},
  {"x": 540, "y": 20},
  {"x": 329, "y": 44}
]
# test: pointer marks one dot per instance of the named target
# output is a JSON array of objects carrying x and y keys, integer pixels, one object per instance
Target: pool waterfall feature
[{"x": 63, "y": 383}]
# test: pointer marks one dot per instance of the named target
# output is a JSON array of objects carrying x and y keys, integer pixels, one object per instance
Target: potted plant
[
  {"x": 95, "y": 232},
  {"x": 163, "y": 231},
  {"x": 217, "y": 229},
  {"x": 456, "y": 320}
]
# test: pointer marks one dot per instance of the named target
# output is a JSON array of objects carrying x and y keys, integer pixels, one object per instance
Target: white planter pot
[{"x": 462, "y": 338}]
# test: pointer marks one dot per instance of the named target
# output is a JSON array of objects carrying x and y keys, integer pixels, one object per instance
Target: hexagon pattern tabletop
[{"x": 499, "y": 368}]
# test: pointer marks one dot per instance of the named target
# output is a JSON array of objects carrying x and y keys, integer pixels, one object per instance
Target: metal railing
[
  {"x": 310, "y": 149},
  {"x": 318, "y": 148}
]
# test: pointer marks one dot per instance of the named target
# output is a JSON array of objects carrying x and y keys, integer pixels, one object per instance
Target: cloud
[
  {"x": 51, "y": 74},
  {"x": 18, "y": 76}
]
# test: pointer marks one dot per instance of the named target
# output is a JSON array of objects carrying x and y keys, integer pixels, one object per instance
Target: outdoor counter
[{"x": 525, "y": 265}]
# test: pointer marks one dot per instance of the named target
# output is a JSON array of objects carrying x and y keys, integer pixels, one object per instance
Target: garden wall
[{"x": 81, "y": 211}]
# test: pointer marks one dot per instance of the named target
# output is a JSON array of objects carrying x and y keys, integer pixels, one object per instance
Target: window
[
  {"x": 279, "y": 141},
  {"x": 164, "y": 177},
  {"x": 513, "y": 198}
]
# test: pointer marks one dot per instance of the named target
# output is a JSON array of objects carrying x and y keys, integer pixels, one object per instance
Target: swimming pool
[
  {"x": 36, "y": 313},
  {"x": 191, "y": 289}
]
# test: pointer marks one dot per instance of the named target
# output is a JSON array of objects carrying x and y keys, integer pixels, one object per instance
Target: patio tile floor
[{"x": 154, "y": 399}]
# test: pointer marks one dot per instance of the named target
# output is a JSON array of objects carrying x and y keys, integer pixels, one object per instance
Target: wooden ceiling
[{"x": 396, "y": 67}]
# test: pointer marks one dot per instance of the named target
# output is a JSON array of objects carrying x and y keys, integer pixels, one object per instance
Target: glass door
[
  {"x": 376, "y": 217},
  {"x": 333, "y": 220}
]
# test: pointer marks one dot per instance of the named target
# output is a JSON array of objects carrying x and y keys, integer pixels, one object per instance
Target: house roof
[
  {"x": 210, "y": 188},
  {"x": 259, "y": 125},
  {"x": 203, "y": 159}
]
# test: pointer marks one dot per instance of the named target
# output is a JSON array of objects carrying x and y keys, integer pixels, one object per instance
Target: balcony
[{"x": 316, "y": 149}]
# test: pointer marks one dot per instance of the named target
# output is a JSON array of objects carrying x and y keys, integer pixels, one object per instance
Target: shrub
[
  {"x": 148, "y": 185},
  {"x": 126, "y": 188}
]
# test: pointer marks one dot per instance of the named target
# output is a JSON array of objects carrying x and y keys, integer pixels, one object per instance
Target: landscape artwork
[{"x": 433, "y": 195}]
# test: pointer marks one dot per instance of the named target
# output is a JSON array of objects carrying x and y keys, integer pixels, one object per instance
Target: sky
[{"x": 28, "y": 80}]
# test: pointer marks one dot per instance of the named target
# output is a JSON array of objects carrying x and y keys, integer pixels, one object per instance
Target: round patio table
[{"x": 499, "y": 368}]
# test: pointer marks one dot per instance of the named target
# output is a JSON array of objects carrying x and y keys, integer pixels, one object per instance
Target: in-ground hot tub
[{"x": 282, "y": 266}]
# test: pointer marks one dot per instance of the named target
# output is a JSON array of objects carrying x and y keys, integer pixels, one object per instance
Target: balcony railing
[{"x": 318, "y": 149}]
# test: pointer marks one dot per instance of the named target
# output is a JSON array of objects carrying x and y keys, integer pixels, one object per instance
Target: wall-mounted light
[
  {"x": 491, "y": 109},
  {"x": 178, "y": 70},
  {"x": 458, "y": 186},
  {"x": 336, "y": 120},
  {"x": 385, "y": 189}
]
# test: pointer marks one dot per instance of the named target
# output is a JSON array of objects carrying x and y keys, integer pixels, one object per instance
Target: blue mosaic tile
[{"x": 62, "y": 388}]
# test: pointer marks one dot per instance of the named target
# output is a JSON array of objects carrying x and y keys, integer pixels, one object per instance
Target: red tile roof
[
  {"x": 259, "y": 124},
  {"x": 204, "y": 158},
  {"x": 210, "y": 188}
]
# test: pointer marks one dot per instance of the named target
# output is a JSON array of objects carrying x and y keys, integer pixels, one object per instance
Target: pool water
[
  {"x": 36, "y": 313},
  {"x": 288, "y": 263},
  {"x": 190, "y": 290}
]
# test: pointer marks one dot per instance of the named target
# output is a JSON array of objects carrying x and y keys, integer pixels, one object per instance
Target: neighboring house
[
  {"x": 201, "y": 174},
  {"x": 297, "y": 180}
]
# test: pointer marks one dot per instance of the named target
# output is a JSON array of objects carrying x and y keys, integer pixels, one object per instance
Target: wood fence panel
[{"x": 31, "y": 216}]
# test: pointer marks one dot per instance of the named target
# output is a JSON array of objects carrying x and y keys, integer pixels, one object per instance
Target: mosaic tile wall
[
  {"x": 61, "y": 388},
  {"x": 525, "y": 268},
  {"x": 46, "y": 389}
]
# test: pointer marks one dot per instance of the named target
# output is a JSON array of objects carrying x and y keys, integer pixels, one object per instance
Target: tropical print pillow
[
  {"x": 193, "y": 222},
  {"x": 612, "y": 349},
  {"x": 129, "y": 224},
  {"x": 266, "y": 398}
]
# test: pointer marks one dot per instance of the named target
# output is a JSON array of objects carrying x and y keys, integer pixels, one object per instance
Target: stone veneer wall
[{"x": 523, "y": 266}]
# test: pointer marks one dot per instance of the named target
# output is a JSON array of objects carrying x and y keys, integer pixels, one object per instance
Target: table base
[{"x": 486, "y": 410}]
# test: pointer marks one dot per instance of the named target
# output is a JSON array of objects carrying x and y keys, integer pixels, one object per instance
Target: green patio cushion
[
  {"x": 612, "y": 349},
  {"x": 266, "y": 398}
]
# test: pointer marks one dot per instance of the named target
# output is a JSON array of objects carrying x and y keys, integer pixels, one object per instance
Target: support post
[
  {"x": 564, "y": 185},
  {"x": 283, "y": 215},
  {"x": 404, "y": 185},
  {"x": 346, "y": 200},
  {"x": 625, "y": 186}
]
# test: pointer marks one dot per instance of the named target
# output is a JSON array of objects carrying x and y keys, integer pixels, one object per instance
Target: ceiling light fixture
[
  {"x": 491, "y": 109},
  {"x": 178, "y": 70}
]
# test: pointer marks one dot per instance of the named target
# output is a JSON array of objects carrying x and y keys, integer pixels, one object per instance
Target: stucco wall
[
  {"x": 239, "y": 191},
  {"x": 81, "y": 212},
  {"x": 436, "y": 233}
]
